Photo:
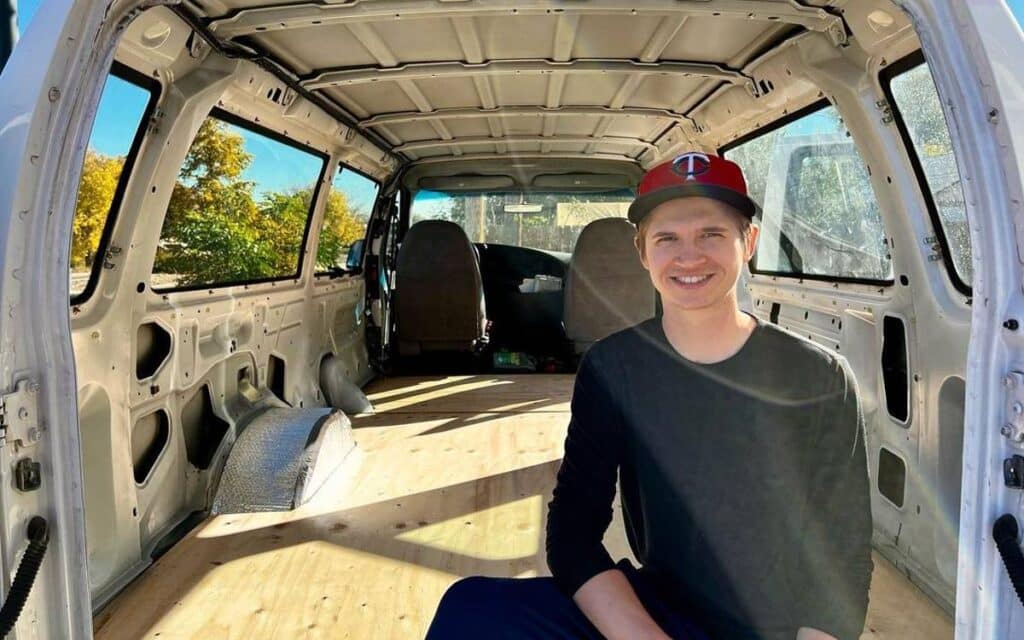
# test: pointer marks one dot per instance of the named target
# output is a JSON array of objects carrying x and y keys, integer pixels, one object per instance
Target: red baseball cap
[{"x": 693, "y": 174}]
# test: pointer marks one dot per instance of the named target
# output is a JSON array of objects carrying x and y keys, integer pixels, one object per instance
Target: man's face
[{"x": 694, "y": 251}]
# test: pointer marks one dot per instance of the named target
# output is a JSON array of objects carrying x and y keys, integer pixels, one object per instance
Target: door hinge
[{"x": 19, "y": 415}]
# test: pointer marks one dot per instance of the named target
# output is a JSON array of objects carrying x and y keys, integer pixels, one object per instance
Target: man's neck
[{"x": 708, "y": 335}]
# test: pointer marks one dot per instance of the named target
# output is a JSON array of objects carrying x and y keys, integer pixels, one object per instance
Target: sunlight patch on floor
[{"x": 510, "y": 531}]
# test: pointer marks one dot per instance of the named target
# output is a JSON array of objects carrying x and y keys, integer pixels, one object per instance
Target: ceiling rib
[
  {"x": 281, "y": 17},
  {"x": 565, "y": 40},
  {"x": 538, "y": 66},
  {"x": 372, "y": 42},
  {"x": 514, "y": 156},
  {"x": 423, "y": 145},
  {"x": 473, "y": 52},
  {"x": 662, "y": 37},
  {"x": 461, "y": 113}
]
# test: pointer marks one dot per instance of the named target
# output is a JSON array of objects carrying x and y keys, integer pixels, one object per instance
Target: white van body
[{"x": 61, "y": 366}]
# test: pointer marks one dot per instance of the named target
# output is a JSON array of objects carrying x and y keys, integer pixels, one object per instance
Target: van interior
[{"x": 334, "y": 265}]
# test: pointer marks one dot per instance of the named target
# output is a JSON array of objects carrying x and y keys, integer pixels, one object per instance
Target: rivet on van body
[
  {"x": 993, "y": 116},
  {"x": 54, "y": 94},
  {"x": 1011, "y": 324}
]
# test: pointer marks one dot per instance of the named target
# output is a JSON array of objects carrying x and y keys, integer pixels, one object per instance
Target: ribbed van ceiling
[{"x": 479, "y": 80}]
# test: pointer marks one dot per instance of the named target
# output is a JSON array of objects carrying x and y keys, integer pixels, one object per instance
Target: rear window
[
  {"x": 820, "y": 218},
  {"x": 549, "y": 221},
  {"x": 239, "y": 211},
  {"x": 117, "y": 130}
]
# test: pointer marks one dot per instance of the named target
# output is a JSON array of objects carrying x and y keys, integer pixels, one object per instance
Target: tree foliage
[
  {"x": 95, "y": 194},
  {"x": 217, "y": 228},
  {"x": 341, "y": 228}
]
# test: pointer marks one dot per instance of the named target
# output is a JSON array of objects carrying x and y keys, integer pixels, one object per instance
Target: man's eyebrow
[{"x": 715, "y": 228}]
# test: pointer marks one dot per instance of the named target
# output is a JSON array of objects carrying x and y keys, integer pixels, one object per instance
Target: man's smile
[{"x": 691, "y": 282}]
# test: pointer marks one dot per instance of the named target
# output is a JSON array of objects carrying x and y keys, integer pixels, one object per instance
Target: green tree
[
  {"x": 214, "y": 230},
  {"x": 340, "y": 229},
  {"x": 100, "y": 174}
]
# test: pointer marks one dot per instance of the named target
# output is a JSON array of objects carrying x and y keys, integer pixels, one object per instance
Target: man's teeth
[{"x": 690, "y": 279}]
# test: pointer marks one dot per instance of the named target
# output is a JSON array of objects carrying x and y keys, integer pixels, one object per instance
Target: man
[{"x": 738, "y": 447}]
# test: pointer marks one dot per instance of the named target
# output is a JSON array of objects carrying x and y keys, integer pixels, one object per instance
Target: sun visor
[
  {"x": 589, "y": 181},
  {"x": 466, "y": 183}
]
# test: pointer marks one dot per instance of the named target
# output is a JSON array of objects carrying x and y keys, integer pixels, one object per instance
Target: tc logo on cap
[{"x": 695, "y": 164}]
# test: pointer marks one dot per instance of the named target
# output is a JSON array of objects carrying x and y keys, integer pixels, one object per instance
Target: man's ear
[
  {"x": 640, "y": 250},
  {"x": 751, "y": 241}
]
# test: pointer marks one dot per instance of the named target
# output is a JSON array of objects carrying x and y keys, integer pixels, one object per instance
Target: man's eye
[
  {"x": 663, "y": 239},
  {"x": 714, "y": 234}
]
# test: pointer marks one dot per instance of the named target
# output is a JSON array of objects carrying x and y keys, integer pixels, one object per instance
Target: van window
[
  {"x": 116, "y": 130},
  {"x": 920, "y": 115},
  {"x": 820, "y": 219},
  {"x": 239, "y": 210},
  {"x": 349, "y": 206},
  {"x": 550, "y": 221}
]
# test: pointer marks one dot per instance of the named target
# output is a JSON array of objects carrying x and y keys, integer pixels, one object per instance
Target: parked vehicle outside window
[{"x": 820, "y": 217}]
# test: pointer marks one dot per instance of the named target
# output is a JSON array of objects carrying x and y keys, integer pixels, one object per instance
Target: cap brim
[{"x": 644, "y": 204}]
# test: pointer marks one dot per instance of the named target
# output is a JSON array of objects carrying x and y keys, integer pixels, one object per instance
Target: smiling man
[{"x": 738, "y": 448}]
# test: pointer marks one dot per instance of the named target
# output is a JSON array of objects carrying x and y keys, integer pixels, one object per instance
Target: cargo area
[{"x": 450, "y": 477}]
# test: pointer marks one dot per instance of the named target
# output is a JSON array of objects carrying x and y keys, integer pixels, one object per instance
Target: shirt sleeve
[
  {"x": 581, "y": 508},
  {"x": 837, "y": 539}
]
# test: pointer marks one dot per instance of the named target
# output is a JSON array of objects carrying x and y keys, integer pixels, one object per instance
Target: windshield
[{"x": 546, "y": 220}]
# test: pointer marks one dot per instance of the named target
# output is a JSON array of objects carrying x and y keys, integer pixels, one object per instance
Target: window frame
[
  {"x": 232, "y": 119},
  {"x": 885, "y": 78},
  {"x": 125, "y": 74},
  {"x": 339, "y": 272},
  {"x": 810, "y": 109}
]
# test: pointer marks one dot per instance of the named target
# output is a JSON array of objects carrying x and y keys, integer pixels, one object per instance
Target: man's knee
[
  {"x": 472, "y": 592},
  {"x": 468, "y": 603}
]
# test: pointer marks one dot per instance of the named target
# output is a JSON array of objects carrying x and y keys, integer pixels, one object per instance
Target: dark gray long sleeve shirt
[{"x": 744, "y": 483}]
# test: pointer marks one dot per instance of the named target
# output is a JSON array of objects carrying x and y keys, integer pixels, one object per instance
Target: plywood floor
[{"x": 451, "y": 478}]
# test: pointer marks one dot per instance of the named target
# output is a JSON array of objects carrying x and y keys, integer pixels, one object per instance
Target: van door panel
[{"x": 922, "y": 454}]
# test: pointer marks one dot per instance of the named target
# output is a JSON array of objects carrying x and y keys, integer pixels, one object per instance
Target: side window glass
[
  {"x": 349, "y": 206},
  {"x": 239, "y": 210},
  {"x": 820, "y": 217},
  {"x": 122, "y": 110},
  {"x": 920, "y": 111}
]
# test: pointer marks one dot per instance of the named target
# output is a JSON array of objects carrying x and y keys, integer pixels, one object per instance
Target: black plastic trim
[
  {"x": 242, "y": 123},
  {"x": 885, "y": 77},
  {"x": 154, "y": 88}
]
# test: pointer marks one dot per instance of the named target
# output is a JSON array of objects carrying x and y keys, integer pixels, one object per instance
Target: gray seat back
[
  {"x": 607, "y": 287},
  {"x": 439, "y": 294}
]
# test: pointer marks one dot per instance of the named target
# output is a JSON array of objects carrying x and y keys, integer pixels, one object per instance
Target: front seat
[
  {"x": 606, "y": 287},
  {"x": 439, "y": 293}
]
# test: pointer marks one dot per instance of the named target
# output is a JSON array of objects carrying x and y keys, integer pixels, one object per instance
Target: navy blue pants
[{"x": 517, "y": 608}]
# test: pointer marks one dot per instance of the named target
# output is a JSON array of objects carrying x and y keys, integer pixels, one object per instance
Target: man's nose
[{"x": 688, "y": 253}]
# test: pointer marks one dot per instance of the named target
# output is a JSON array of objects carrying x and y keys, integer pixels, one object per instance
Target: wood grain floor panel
[{"x": 451, "y": 478}]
